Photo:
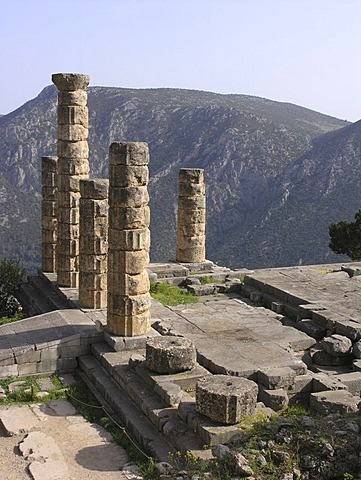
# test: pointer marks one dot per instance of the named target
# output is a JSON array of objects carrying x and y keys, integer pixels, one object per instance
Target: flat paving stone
[
  {"x": 59, "y": 447},
  {"x": 17, "y": 420}
]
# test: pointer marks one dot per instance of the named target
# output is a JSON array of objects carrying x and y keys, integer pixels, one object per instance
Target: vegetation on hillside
[{"x": 346, "y": 237}]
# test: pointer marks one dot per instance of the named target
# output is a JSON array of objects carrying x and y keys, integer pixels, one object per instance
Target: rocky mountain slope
[{"x": 276, "y": 174}]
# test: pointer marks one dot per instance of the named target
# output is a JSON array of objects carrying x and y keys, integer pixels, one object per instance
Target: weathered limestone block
[
  {"x": 73, "y": 165},
  {"x": 93, "y": 244},
  {"x": 226, "y": 399},
  {"x": 334, "y": 401},
  {"x": 131, "y": 305},
  {"x": 274, "y": 378},
  {"x": 275, "y": 399},
  {"x": 129, "y": 197},
  {"x": 191, "y": 216},
  {"x": 73, "y": 133},
  {"x": 129, "y": 240},
  {"x": 129, "y": 176},
  {"x": 128, "y": 262},
  {"x": 170, "y": 354},
  {"x": 128, "y": 153},
  {"x": 73, "y": 98},
  {"x": 131, "y": 218},
  {"x": 125, "y": 284},
  {"x": 49, "y": 220},
  {"x": 336, "y": 345},
  {"x": 128, "y": 325}
]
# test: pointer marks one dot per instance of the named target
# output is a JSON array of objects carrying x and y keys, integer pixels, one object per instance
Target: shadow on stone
[{"x": 104, "y": 458}]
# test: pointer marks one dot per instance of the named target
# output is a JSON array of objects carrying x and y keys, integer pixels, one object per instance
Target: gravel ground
[{"x": 12, "y": 464}]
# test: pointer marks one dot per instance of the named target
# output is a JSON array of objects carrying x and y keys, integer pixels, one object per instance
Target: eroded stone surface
[
  {"x": 336, "y": 345},
  {"x": 129, "y": 240},
  {"x": 170, "y": 354},
  {"x": 191, "y": 216},
  {"x": 93, "y": 243},
  {"x": 73, "y": 165},
  {"x": 226, "y": 399}
]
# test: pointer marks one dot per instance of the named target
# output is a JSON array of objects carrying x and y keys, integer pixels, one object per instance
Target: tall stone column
[
  {"x": 49, "y": 222},
  {"x": 129, "y": 240},
  {"x": 73, "y": 165},
  {"x": 191, "y": 227},
  {"x": 93, "y": 243}
]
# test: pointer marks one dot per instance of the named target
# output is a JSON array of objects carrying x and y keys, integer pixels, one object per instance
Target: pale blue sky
[{"x": 305, "y": 52}]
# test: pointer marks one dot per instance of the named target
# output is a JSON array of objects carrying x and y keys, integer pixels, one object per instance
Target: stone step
[
  {"x": 114, "y": 398},
  {"x": 56, "y": 301},
  {"x": 32, "y": 301},
  {"x": 163, "y": 416}
]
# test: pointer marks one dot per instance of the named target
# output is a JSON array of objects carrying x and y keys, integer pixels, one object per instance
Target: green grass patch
[
  {"x": 17, "y": 316},
  {"x": 323, "y": 271},
  {"x": 207, "y": 279},
  {"x": 170, "y": 295},
  {"x": 27, "y": 392}
]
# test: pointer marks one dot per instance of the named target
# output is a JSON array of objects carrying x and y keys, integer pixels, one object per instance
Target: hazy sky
[{"x": 305, "y": 52}]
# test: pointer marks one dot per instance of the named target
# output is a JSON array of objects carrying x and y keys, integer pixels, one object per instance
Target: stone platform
[{"x": 268, "y": 332}]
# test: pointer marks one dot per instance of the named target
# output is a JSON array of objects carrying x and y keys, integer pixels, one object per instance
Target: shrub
[{"x": 11, "y": 276}]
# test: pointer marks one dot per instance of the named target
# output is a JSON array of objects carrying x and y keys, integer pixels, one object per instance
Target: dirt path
[{"x": 50, "y": 442}]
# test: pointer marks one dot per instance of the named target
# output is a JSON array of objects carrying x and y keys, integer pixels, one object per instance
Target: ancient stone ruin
[
  {"x": 73, "y": 165},
  {"x": 191, "y": 227},
  {"x": 93, "y": 243},
  {"x": 182, "y": 377}
]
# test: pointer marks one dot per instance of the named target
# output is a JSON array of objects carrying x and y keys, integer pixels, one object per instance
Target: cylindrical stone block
[
  {"x": 191, "y": 219},
  {"x": 129, "y": 240},
  {"x": 73, "y": 166},
  {"x": 93, "y": 243},
  {"x": 170, "y": 354},
  {"x": 226, "y": 399},
  {"x": 49, "y": 221}
]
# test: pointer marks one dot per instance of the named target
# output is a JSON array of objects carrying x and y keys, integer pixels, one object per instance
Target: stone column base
[{"x": 119, "y": 343}]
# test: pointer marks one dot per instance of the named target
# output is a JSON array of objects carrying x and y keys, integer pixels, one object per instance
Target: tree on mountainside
[{"x": 346, "y": 237}]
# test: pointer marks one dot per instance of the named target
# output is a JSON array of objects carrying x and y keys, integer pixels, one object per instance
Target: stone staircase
[
  {"x": 39, "y": 294},
  {"x": 158, "y": 411}
]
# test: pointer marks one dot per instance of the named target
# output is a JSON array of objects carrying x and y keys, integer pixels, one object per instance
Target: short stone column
[
  {"x": 191, "y": 226},
  {"x": 226, "y": 399},
  {"x": 73, "y": 165},
  {"x": 129, "y": 240},
  {"x": 49, "y": 222},
  {"x": 93, "y": 243},
  {"x": 170, "y": 354}
]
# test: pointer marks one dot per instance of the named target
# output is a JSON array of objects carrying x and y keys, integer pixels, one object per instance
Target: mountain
[{"x": 277, "y": 174}]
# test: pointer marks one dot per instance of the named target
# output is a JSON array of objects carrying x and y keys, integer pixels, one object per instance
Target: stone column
[
  {"x": 93, "y": 243},
  {"x": 129, "y": 240},
  {"x": 49, "y": 222},
  {"x": 73, "y": 165},
  {"x": 191, "y": 226}
]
